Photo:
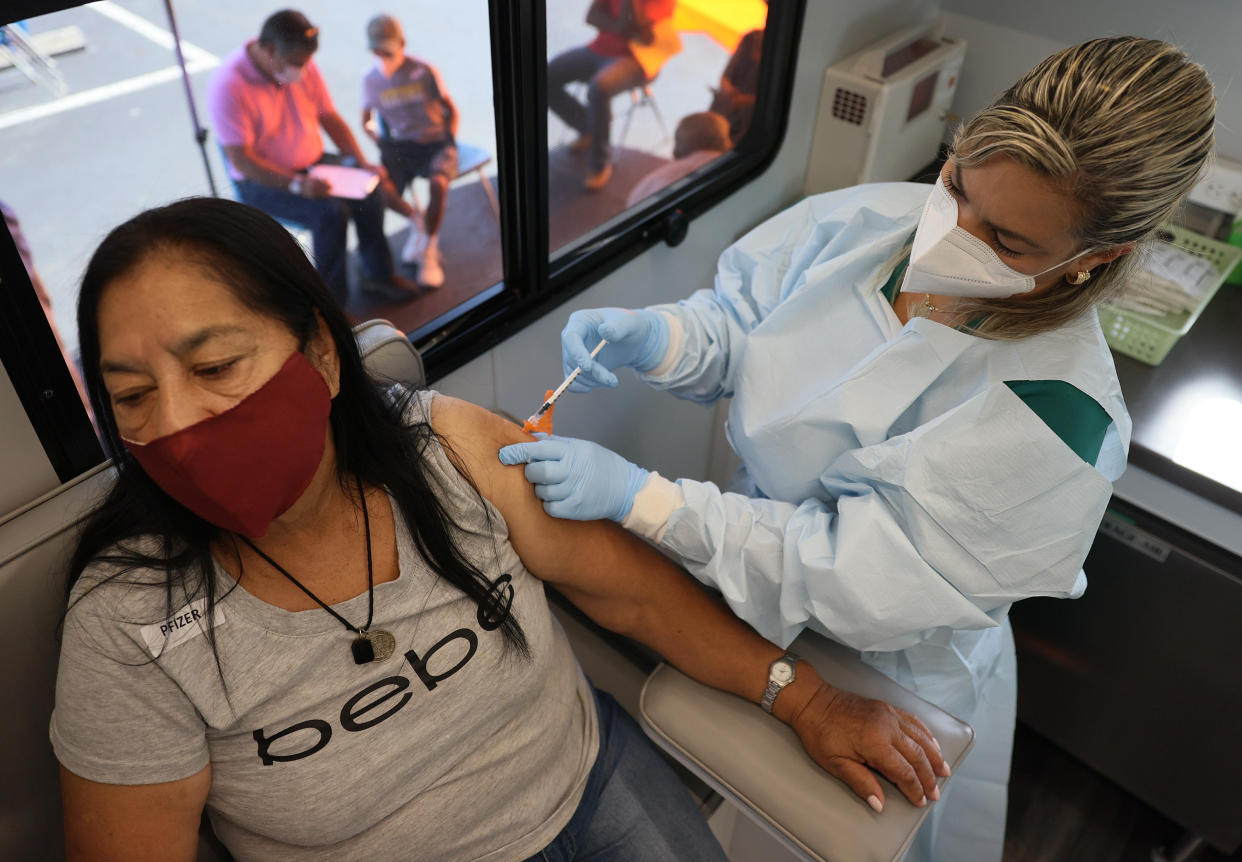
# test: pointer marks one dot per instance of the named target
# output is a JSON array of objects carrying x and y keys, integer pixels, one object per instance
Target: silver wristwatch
[{"x": 781, "y": 673}]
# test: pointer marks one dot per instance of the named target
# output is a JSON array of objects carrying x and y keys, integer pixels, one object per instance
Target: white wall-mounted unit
[{"x": 882, "y": 111}]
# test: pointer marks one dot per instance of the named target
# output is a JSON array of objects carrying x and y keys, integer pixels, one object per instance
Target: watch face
[{"x": 782, "y": 672}]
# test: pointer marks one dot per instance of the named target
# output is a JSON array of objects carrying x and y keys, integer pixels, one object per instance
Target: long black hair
[{"x": 375, "y": 441}]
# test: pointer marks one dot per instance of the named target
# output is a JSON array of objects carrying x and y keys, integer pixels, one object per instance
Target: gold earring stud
[{"x": 1084, "y": 275}]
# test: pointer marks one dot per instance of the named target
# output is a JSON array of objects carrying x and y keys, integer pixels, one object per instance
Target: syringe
[{"x": 534, "y": 418}]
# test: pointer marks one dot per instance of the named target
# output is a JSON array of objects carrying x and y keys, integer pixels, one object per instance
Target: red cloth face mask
[{"x": 245, "y": 467}]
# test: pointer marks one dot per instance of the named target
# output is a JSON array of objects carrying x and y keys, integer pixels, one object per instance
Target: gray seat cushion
[{"x": 388, "y": 354}]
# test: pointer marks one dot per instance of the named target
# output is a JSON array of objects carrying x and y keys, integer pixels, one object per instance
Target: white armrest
[{"x": 758, "y": 762}]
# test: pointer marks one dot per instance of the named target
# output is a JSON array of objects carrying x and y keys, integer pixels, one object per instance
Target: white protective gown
[{"x": 895, "y": 494}]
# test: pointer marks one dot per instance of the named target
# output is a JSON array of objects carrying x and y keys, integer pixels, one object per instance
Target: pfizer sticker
[{"x": 187, "y": 623}]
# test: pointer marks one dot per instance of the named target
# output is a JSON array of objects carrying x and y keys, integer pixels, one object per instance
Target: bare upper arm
[
  {"x": 133, "y": 822},
  {"x": 599, "y": 566},
  {"x": 474, "y": 437}
]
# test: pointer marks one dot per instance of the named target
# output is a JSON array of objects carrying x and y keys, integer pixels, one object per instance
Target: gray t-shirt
[
  {"x": 413, "y": 102},
  {"x": 452, "y": 749}
]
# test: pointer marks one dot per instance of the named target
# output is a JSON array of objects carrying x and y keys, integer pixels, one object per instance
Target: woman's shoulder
[
  {"x": 414, "y": 403},
  {"x": 1075, "y": 352},
  {"x": 472, "y": 434},
  {"x": 128, "y": 579},
  {"x": 125, "y": 590},
  {"x": 460, "y": 450},
  {"x": 1068, "y": 378},
  {"x": 455, "y": 421}
]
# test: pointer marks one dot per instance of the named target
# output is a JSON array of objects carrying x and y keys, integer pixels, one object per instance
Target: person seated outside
[
  {"x": 735, "y": 97},
  {"x": 420, "y": 120},
  {"x": 699, "y": 139},
  {"x": 609, "y": 67},
  {"x": 313, "y": 604},
  {"x": 267, "y": 102}
]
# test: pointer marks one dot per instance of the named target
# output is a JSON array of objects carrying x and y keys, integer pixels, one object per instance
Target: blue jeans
[
  {"x": 634, "y": 808},
  {"x": 328, "y": 220},
  {"x": 607, "y": 76}
]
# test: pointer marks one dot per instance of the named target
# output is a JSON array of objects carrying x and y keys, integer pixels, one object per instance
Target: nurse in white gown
[{"x": 926, "y": 411}]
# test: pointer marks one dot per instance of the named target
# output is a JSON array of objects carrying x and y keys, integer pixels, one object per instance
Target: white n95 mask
[{"x": 949, "y": 261}]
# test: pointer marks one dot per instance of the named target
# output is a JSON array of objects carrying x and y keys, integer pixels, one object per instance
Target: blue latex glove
[
  {"x": 635, "y": 338},
  {"x": 577, "y": 479}
]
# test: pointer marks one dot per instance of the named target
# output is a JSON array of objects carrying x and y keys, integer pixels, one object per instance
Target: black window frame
[
  {"x": 534, "y": 283},
  {"x": 537, "y": 285},
  {"x": 31, "y": 356}
]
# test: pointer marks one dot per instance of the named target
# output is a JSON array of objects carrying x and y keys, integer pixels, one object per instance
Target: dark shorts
[{"x": 405, "y": 160}]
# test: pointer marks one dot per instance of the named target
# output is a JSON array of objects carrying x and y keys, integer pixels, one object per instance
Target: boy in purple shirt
[
  {"x": 267, "y": 102},
  {"x": 416, "y": 134}
]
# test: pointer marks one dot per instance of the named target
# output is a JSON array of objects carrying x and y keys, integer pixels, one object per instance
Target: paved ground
[{"x": 121, "y": 139}]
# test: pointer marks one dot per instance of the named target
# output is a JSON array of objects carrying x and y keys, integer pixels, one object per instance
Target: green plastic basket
[{"x": 1149, "y": 337}]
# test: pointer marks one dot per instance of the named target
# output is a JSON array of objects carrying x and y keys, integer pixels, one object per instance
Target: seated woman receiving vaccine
[{"x": 313, "y": 606}]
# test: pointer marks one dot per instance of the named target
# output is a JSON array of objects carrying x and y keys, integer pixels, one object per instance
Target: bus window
[
  {"x": 101, "y": 119},
  {"x": 124, "y": 141},
  {"x": 701, "y": 105},
  {"x": 642, "y": 95}
]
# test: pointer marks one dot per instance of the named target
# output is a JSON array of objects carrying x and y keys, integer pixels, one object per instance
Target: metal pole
[{"x": 200, "y": 133}]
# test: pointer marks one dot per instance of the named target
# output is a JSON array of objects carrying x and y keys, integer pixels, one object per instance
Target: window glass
[
  {"x": 97, "y": 127},
  {"x": 643, "y": 96},
  {"x": 99, "y": 124}
]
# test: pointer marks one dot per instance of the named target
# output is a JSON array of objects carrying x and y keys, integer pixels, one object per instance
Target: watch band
[{"x": 776, "y": 682}]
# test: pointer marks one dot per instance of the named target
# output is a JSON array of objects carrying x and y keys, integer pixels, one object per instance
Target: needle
[{"x": 573, "y": 375}]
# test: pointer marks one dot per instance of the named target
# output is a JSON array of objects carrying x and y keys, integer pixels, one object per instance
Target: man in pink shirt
[{"x": 267, "y": 102}]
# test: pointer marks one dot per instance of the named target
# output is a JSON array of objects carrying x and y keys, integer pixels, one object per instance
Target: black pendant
[
  {"x": 371, "y": 646},
  {"x": 364, "y": 653}
]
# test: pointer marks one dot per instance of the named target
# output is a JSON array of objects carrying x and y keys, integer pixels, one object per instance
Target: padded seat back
[{"x": 388, "y": 355}]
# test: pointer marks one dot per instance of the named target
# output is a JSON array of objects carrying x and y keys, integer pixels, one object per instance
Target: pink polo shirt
[{"x": 280, "y": 123}]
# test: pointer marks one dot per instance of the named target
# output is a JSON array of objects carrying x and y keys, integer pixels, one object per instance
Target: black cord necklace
[{"x": 370, "y": 645}]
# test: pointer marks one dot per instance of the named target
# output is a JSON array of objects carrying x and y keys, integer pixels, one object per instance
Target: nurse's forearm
[{"x": 702, "y": 337}]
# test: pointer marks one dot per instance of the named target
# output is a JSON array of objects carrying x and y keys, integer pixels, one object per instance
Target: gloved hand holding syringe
[
  {"x": 576, "y": 479},
  {"x": 532, "y": 423}
]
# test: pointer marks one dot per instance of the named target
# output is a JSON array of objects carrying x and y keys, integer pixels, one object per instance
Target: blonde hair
[{"x": 1124, "y": 126}]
